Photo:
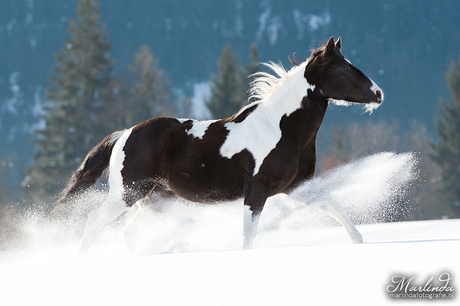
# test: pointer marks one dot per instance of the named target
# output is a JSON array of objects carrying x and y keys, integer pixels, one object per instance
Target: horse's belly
[
  {"x": 204, "y": 192},
  {"x": 199, "y": 184}
]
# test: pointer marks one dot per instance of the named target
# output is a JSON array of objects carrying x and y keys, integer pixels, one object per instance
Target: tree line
[{"x": 88, "y": 100}]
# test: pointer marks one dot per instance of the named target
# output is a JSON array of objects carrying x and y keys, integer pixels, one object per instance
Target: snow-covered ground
[
  {"x": 190, "y": 255},
  {"x": 326, "y": 271}
]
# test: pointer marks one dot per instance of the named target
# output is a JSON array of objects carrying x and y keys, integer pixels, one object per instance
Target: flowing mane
[{"x": 265, "y": 83}]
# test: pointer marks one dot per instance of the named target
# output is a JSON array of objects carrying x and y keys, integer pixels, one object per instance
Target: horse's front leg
[
  {"x": 340, "y": 215},
  {"x": 254, "y": 202}
]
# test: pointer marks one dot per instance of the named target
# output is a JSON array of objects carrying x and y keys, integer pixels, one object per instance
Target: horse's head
[{"x": 338, "y": 79}]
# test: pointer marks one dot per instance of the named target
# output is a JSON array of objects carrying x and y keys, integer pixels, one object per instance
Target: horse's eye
[{"x": 344, "y": 68}]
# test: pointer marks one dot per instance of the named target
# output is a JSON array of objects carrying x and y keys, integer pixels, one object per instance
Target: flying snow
[{"x": 368, "y": 189}]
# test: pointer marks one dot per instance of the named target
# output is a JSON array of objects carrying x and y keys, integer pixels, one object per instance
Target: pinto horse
[{"x": 267, "y": 148}]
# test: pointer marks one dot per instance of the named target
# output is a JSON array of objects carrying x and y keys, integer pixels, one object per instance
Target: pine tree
[
  {"x": 141, "y": 91},
  {"x": 73, "y": 116},
  {"x": 150, "y": 95},
  {"x": 253, "y": 67},
  {"x": 446, "y": 153},
  {"x": 228, "y": 92}
]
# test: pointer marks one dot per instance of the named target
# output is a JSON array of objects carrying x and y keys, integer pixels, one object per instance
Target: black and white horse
[{"x": 267, "y": 148}]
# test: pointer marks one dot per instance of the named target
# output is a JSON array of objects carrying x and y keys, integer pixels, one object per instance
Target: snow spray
[{"x": 369, "y": 189}]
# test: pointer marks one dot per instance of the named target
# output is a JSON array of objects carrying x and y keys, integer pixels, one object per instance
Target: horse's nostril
[{"x": 379, "y": 94}]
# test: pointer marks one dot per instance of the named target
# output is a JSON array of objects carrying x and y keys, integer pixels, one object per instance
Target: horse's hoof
[{"x": 357, "y": 239}]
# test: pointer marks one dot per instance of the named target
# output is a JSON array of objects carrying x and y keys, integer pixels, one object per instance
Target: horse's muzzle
[{"x": 379, "y": 94}]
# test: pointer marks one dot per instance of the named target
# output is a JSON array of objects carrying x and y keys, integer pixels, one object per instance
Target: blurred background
[{"x": 73, "y": 71}]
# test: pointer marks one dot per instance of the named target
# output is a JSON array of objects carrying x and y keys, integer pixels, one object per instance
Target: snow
[
  {"x": 186, "y": 254},
  {"x": 330, "y": 272}
]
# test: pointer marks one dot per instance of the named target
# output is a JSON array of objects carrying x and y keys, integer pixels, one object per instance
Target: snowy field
[{"x": 191, "y": 255}]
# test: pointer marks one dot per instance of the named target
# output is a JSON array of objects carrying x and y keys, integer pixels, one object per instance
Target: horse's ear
[
  {"x": 330, "y": 46},
  {"x": 338, "y": 44}
]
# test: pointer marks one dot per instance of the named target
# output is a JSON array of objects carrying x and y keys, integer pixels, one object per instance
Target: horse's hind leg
[
  {"x": 117, "y": 202},
  {"x": 111, "y": 209},
  {"x": 338, "y": 214},
  {"x": 129, "y": 231}
]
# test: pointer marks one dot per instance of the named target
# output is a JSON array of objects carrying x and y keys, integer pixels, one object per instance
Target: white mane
[{"x": 266, "y": 83}]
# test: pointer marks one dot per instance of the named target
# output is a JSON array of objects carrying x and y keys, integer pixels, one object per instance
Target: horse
[{"x": 267, "y": 148}]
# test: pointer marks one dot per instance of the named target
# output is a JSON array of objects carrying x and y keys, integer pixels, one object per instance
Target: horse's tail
[{"x": 91, "y": 168}]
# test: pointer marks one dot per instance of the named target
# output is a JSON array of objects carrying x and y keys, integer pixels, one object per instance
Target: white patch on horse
[
  {"x": 113, "y": 206},
  {"x": 375, "y": 87},
  {"x": 369, "y": 108},
  {"x": 349, "y": 62},
  {"x": 116, "y": 163},
  {"x": 199, "y": 128},
  {"x": 260, "y": 131},
  {"x": 251, "y": 223}
]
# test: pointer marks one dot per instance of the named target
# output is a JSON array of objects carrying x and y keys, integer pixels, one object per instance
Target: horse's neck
[
  {"x": 287, "y": 97},
  {"x": 292, "y": 95},
  {"x": 304, "y": 110},
  {"x": 314, "y": 106}
]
